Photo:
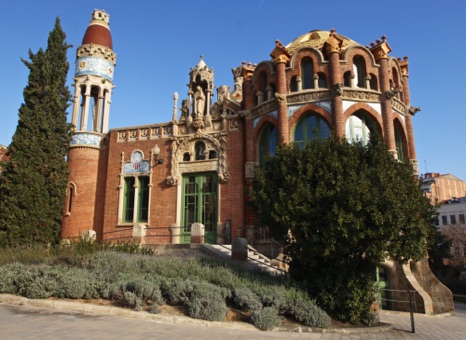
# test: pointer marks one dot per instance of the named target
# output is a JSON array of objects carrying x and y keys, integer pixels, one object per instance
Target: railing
[{"x": 410, "y": 300}]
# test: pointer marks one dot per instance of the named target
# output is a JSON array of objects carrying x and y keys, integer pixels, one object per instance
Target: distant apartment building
[
  {"x": 442, "y": 188},
  {"x": 452, "y": 223}
]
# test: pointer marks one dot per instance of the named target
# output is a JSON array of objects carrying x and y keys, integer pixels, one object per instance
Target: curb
[{"x": 70, "y": 307}]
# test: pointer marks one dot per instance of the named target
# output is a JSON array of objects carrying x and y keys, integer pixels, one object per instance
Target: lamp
[{"x": 155, "y": 154}]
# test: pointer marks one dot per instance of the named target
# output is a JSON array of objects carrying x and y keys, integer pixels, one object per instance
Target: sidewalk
[{"x": 21, "y": 318}]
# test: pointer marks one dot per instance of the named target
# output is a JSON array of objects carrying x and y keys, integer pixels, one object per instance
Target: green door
[
  {"x": 382, "y": 283},
  {"x": 200, "y": 202}
]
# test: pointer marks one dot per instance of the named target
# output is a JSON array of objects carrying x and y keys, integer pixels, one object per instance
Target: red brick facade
[{"x": 322, "y": 75}]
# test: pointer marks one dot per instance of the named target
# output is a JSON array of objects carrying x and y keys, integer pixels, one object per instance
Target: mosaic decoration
[
  {"x": 94, "y": 66},
  {"x": 86, "y": 139},
  {"x": 256, "y": 121},
  {"x": 327, "y": 105},
  {"x": 292, "y": 109},
  {"x": 273, "y": 114},
  {"x": 136, "y": 164}
]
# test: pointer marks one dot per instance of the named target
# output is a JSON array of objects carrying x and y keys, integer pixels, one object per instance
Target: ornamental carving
[
  {"x": 186, "y": 144},
  {"x": 413, "y": 110},
  {"x": 337, "y": 90},
  {"x": 265, "y": 107},
  {"x": 308, "y": 97},
  {"x": 361, "y": 95},
  {"x": 233, "y": 124},
  {"x": 280, "y": 98},
  {"x": 96, "y": 51}
]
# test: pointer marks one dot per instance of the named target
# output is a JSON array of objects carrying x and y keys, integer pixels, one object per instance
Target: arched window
[
  {"x": 358, "y": 128},
  {"x": 293, "y": 84},
  {"x": 267, "y": 143},
  {"x": 359, "y": 69},
  {"x": 200, "y": 153},
  {"x": 322, "y": 80},
  {"x": 311, "y": 126},
  {"x": 307, "y": 73}
]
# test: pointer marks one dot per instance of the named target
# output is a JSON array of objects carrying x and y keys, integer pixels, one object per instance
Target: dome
[
  {"x": 98, "y": 31},
  {"x": 316, "y": 39}
]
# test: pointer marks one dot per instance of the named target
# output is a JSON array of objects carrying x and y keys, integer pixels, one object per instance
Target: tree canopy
[
  {"x": 33, "y": 181},
  {"x": 341, "y": 208}
]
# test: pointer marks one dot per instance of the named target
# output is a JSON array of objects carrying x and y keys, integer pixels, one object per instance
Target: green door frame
[
  {"x": 382, "y": 281},
  {"x": 199, "y": 205}
]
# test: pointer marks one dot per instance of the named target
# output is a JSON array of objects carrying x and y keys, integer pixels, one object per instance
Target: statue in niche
[
  {"x": 185, "y": 104},
  {"x": 199, "y": 102}
]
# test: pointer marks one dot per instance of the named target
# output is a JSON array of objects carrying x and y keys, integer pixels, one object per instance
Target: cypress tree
[{"x": 33, "y": 182}]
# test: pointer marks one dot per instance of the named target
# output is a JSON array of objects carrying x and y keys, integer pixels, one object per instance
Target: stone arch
[
  {"x": 181, "y": 145},
  {"x": 320, "y": 111},
  {"x": 372, "y": 114}
]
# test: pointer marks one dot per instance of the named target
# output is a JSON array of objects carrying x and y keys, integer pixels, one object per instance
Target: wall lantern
[{"x": 155, "y": 154}]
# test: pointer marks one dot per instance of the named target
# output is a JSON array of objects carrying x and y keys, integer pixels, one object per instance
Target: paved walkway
[{"x": 29, "y": 322}]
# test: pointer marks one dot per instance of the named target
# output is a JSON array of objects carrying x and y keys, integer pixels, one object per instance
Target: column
[
  {"x": 380, "y": 51},
  {"x": 332, "y": 49}
]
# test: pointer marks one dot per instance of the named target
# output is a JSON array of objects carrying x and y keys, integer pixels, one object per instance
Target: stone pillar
[
  {"x": 380, "y": 51},
  {"x": 332, "y": 49},
  {"x": 239, "y": 249},
  {"x": 106, "y": 112},
  {"x": 139, "y": 233},
  {"x": 76, "y": 105},
  {"x": 281, "y": 58},
  {"x": 197, "y": 233},
  {"x": 175, "y": 234}
]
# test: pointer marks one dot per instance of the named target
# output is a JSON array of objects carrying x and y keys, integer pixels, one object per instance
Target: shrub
[
  {"x": 131, "y": 300},
  {"x": 245, "y": 298},
  {"x": 77, "y": 283},
  {"x": 309, "y": 314},
  {"x": 265, "y": 319},
  {"x": 8, "y": 274},
  {"x": 207, "y": 303},
  {"x": 37, "y": 282}
]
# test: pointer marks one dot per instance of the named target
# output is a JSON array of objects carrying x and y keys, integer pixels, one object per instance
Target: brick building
[
  {"x": 164, "y": 177},
  {"x": 440, "y": 189}
]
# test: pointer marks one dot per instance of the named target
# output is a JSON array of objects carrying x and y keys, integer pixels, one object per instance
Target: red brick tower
[{"x": 95, "y": 62}]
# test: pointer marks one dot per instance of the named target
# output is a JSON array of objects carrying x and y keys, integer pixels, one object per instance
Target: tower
[{"x": 93, "y": 82}]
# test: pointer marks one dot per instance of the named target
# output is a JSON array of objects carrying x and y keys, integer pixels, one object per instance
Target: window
[
  {"x": 359, "y": 69},
  {"x": 322, "y": 80},
  {"x": 71, "y": 195},
  {"x": 136, "y": 199},
  {"x": 358, "y": 129},
  {"x": 452, "y": 219},
  {"x": 347, "y": 79},
  {"x": 399, "y": 144},
  {"x": 264, "y": 86},
  {"x": 462, "y": 221},
  {"x": 307, "y": 73},
  {"x": 293, "y": 84},
  {"x": 373, "y": 82},
  {"x": 311, "y": 126},
  {"x": 267, "y": 143},
  {"x": 444, "y": 220}
]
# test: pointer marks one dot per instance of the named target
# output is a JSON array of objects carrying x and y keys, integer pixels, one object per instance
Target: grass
[{"x": 134, "y": 278}]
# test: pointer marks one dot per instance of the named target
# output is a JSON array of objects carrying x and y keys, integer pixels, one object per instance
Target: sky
[{"x": 157, "y": 42}]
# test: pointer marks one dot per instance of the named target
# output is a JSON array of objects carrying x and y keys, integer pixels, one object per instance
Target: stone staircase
[{"x": 255, "y": 261}]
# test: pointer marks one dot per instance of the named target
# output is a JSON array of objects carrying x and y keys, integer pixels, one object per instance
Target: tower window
[
  {"x": 307, "y": 73},
  {"x": 359, "y": 69}
]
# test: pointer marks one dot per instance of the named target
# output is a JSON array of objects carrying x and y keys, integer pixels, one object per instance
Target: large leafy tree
[
  {"x": 341, "y": 208},
  {"x": 33, "y": 181}
]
